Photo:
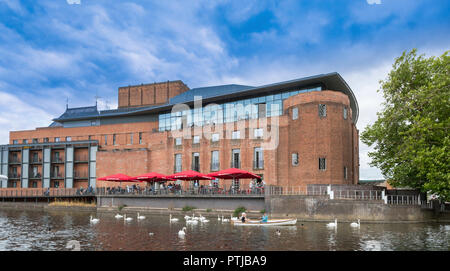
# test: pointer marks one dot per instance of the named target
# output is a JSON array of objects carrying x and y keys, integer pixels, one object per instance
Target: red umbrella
[
  {"x": 117, "y": 178},
  {"x": 153, "y": 177},
  {"x": 234, "y": 173},
  {"x": 190, "y": 175}
]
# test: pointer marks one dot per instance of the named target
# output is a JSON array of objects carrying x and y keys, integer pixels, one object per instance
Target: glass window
[
  {"x": 178, "y": 141},
  {"x": 285, "y": 95},
  {"x": 196, "y": 140},
  {"x": 140, "y": 138},
  {"x": 15, "y": 142},
  {"x": 258, "y": 133},
  {"x": 131, "y": 139},
  {"x": 46, "y": 139},
  {"x": 345, "y": 112},
  {"x": 295, "y": 113},
  {"x": 322, "y": 110},
  {"x": 106, "y": 139},
  {"x": 68, "y": 138},
  {"x": 215, "y": 137},
  {"x": 56, "y": 139},
  {"x": 236, "y": 135},
  {"x": 295, "y": 161},
  {"x": 345, "y": 173},
  {"x": 35, "y": 140},
  {"x": 25, "y": 141},
  {"x": 178, "y": 161},
  {"x": 215, "y": 161},
  {"x": 322, "y": 164},
  {"x": 258, "y": 158},
  {"x": 114, "y": 140}
]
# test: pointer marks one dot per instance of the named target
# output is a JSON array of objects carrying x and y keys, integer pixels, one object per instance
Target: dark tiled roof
[
  {"x": 208, "y": 92},
  {"x": 79, "y": 112}
]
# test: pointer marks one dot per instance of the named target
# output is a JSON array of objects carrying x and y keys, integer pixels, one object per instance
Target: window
[
  {"x": 68, "y": 138},
  {"x": 295, "y": 113},
  {"x": 322, "y": 163},
  {"x": 177, "y": 166},
  {"x": 322, "y": 110},
  {"x": 35, "y": 141},
  {"x": 131, "y": 139},
  {"x": 25, "y": 141},
  {"x": 215, "y": 166},
  {"x": 56, "y": 139},
  {"x": 215, "y": 138},
  {"x": 295, "y": 161},
  {"x": 93, "y": 123},
  {"x": 196, "y": 161},
  {"x": 178, "y": 141},
  {"x": 140, "y": 138},
  {"x": 258, "y": 158},
  {"x": 15, "y": 141},
  {"x": 236, "y": 158},
  {"x": 236, "y": 135},
  {"x": 258, "y": 133},
  {"x": 345, "y": 173},
  {"x": 345, "y": 112},
  {"x": 196, "y": 140},
  {"x": 34, "y": 184},
  {"x": 114, "y": 140},
  {"x": 106, "y": 139}
]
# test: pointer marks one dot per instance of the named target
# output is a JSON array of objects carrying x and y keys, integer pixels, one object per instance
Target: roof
[{"x": 331, "y": 81}]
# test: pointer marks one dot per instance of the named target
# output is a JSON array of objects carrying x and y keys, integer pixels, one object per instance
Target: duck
[
  {"x": 125, "y": 218},
  {"x": 278, "y": 232},
  {"x": 182, "y": 232},
  {"x": 173, "y": 219},
  {"x": 332, "y": 225},
  {"x": 140, "y": 216},
  {"x": 94, "y": 220},
  {"x": 355, "y": 225},
  {"x": 118, "y": 216}
]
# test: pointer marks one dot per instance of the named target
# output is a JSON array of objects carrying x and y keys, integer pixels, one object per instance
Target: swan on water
[
  {"x": 278, "y": 232},
  {"x": 332, "y": 225},
  {"x": 234, "y": 218},
  {"x": 173, "y": 219},
  {"x": 94, "y": 220},
  {"x": 125, "y": 218},
  {"x": 218, "y": 217},
  {"x": 225, "y": 219},
  {"x": 182, "y": 232},
  {"x": 140, "y": 216},
  {"x": 118, "y": 216},
  {"x": 355, "y": 225}
]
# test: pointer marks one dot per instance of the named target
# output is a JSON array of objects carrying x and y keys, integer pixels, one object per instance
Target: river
[{"x": 54, "y": 230}]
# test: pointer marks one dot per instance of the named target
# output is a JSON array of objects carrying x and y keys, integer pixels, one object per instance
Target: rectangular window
[
  {"x": 215, "y": 138},
  {"x": 236, "y": 135},
  {"x": 258, "y": 133},
  {"x": 93, "y": 123},
  {"x": 56, "y": 139},
  {"x": 25, "y": 141},
  {"x": 46, "y": 140},
  {"x": 131, "y": 139},
  {"x": 68, "y": 138},
  {"x": 15, "y": 141},
  {"x": 215, "y": 166},
  {"x": 295, "y": 113},
  {"x": 178, "y": 141},
  {"x": 322, "y": 110},
  {"x": 196, "y": 140},
  {"x": 140, "y": 138},
  {"x": 258, "y": 158},
  {"x": 196, "y": 161},
  {"x": 35, "y": 141},
  {"x": 114, "y": 139},
  {"x": 177, "y": 167},
  {"x": 322, "y": 163},
  {"x": 345, "y": 173},
  {"x": 236, "y": 158},
  {"x": 106, "y": 139},
  {"x": 295, "y": 161},
  {"x": 345, "y": 112}
]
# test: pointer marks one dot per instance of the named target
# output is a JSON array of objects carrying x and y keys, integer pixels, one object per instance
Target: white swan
[
  {"x": 94, "y": 220},
  {"x": 191, "y": 221},
  {"x": 225, "y": 219},
  {"x": 182, "y": 232},
  {"x": 173, "y": 219},
  {"x": 355, "y": 225},
  {"x": 186, "y": 217},
  {"x": 278, "y": 232},
  {"x": 151, "y": 233},
  {"x": 118, "y": 216},
  {"x": 332, "y": 225},
  {"x": 125, "y": 218},
  {"x": 218, "y": 217},
  {"x": 140, "y": 216},
  {"x": 234, "y": 218}
]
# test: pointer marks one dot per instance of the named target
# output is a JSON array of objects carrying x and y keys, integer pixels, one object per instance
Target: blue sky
[{"x": 51, "y": 50}]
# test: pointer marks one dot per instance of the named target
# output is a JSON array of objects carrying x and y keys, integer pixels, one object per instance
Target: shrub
[
  {"x": 208, "y": 210},
  {"x": 188, "y": 208},
  {"x": 121, "y": 207},
  {"x": 262, "y": 211}
]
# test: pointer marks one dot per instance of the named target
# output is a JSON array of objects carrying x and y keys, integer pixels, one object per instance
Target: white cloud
[{"x": 371, "y": 2}]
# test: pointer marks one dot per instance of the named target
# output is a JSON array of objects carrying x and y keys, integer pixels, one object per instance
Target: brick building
[{"x": 292, "y": 133}]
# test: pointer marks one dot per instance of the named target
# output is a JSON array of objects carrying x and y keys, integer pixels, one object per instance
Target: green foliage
[
  {"x": 262, "y": 211},
  {"x": 188, "y": 208},
  {"x": 208, "y": 210},
  {"x": 238, "y": 211},
  {"x": 121, "y": 207},
  {"x": 411, "y": 135}
]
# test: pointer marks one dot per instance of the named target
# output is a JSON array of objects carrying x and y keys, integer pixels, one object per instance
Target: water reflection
[{"x": 39, "y": 230}]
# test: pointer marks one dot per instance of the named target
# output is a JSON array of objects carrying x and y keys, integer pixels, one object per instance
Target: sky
[{"x": 54, "y": 51}]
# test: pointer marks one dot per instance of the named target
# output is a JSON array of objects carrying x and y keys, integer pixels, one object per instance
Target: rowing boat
[{"x": 270, "y": 222}]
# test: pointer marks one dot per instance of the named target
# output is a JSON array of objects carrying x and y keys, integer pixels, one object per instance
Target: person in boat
[
  {"x": 243, "y": 217},
  {"x": 264, "y": 218}
]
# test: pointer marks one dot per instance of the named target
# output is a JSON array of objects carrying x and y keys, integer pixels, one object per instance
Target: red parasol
[
  {"x": 117, "y": 178},
  {"x": 190, "y": 175},
  {"x": 153, "y": 177},
  {"x": 234, "y": 173}
]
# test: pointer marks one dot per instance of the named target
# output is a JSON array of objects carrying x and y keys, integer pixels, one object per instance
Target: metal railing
[
  {"x": 404, "y": 199},
  {"x": 296, "y": 190},
  {"x": 358, "y": 194},
  {"x": 14, "y": 175},
  {"x": 37, "y": 192},
  {"x": 81, "y": 158},
  {"x": 34, "y": 175}
]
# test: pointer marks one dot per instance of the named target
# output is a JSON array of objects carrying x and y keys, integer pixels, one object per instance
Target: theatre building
[{"x": 291, "y": 133}]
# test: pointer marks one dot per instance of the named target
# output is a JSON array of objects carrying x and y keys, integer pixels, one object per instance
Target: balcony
[
  {"x": 81, "y": 158},
  {"x": 13, "y": 175},
  {"x": 57, "y": 160},
  {"x": 36, "y": 175},
  {"x": 14, "y": 160},
  {"x": 57, "y": 176},
  {"x": 80, "y": 174},
  {"x": 36, "y": 161}
]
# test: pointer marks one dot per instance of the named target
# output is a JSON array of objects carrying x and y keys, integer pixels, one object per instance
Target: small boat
[{"x": 270, "y": 222}]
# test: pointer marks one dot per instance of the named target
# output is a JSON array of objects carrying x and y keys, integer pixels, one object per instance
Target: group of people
[{"x": 264, "y": 217}]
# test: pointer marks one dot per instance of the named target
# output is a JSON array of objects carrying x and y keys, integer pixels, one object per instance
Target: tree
[{"x": 411, "y": 135}]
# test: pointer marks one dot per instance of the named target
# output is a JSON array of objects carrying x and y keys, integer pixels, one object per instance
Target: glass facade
[{"x": 252, "y": 108}]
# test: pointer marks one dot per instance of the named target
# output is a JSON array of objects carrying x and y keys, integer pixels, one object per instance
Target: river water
[{"x": 54, "y": 230}]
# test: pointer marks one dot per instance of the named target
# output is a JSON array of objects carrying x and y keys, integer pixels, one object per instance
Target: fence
[
  {"x": 358, "y": 194},
  {"x": 39, "y": 192},
  {"x": 296, "y": 190}
]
